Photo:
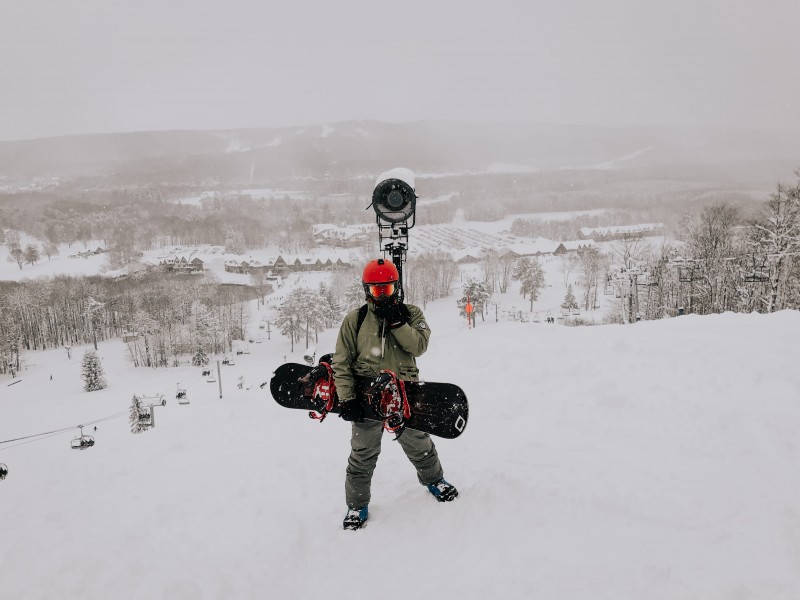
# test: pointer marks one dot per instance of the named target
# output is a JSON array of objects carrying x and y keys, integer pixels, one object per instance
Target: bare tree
[
  {"x": 777, "y": 236},
  {"x": 710, "y": 241},
  {"x": 592, "y": 264}
]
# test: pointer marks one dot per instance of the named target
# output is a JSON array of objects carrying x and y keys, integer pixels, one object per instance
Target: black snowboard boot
[
  {"x": 443, "y": 491},
  {"x": 355, "y": 518}
]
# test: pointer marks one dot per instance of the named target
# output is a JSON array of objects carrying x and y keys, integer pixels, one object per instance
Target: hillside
[
  {"x": 360, "y": 148},
  {"x": 653, "y": 461}
]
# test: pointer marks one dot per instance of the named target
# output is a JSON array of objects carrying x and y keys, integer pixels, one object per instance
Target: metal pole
[{"x": 219, "y": 378}]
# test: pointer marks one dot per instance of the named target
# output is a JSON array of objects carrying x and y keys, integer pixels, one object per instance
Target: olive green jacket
[{"x": 378, "y": 348}]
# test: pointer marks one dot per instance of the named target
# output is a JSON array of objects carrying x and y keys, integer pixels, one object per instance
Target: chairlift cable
[
  {"x": 64, "y": 429},
  {"x": 38, "y": 439},
  {"x": 35, "y": 437}
]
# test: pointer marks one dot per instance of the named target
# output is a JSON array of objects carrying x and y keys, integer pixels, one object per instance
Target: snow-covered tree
[
  {"x": 478, "y": 293},
  {"x": 15, "y": 254},
  {"x": 776, "y": 235},
  {"x": 569, "y": 300},
  {"x": 206, "y": 326},
  {"x": 234, "y": 242},
  {"x": 50, "y": 249},
  {"x": 200, "y": 358},
  {"x": 331, "y": 312},
  {"x": 711, "y": 240},
  {"x": 529, "y": 273},
  {"x": 302, "y": 312},
  {"x": 32, "y": 254},
  {"x": 290, "y": 318},
  {"x": 92, "y": 372},
  {"x": 592, "y": 264},
  {"x": 429, "y": 276},
  {"x": 137, "y": 416},
  {"x": 353, "y": 293}
]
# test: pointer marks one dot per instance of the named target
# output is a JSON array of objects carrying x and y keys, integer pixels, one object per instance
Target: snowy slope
[{"x": 651, "y": 461}]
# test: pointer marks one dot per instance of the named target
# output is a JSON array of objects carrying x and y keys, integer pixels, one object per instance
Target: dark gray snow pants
[{"x": 365, "y": 445}]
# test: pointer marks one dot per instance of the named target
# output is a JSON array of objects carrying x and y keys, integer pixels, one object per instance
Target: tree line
[
  {"x": 721, "y": 263},
  {"x": 161, "y": 317}
]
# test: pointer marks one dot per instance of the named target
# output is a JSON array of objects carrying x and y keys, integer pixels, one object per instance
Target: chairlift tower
[
  {"x": 627, "y": 283},
  {"x": 687, "y": 273},
  {"x": 758, "y": 271}
]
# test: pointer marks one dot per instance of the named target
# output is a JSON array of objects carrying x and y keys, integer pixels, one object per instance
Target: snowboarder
[{"x": 390, "y": 335}]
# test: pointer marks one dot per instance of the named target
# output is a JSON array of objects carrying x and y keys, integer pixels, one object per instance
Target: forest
[{"x": 162, "y": 317}]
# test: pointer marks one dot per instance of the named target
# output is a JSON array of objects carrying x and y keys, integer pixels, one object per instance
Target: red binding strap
[
  {"x": 325, "y": 390},
  {"x": 390, "y": 398}
]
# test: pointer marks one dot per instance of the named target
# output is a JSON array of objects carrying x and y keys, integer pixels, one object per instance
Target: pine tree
[
  {"x": 569, "y": 300},
  {"x": 92, "y": 372},
  {"x": 137, "y": 416},
  {"x": 354, "y": 293},
  {"x": 200, "y": 358},
  {"x": 331, "y": 312},
  {"x": 479, "y": 293},
  {"x": 290, "y": 316},
  {"x": 31, "y": 254},
  {"x": 234, "y": 242}
]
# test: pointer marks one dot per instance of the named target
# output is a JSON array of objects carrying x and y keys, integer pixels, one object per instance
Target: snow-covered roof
[
  {"x": 621, "y": 229},
  {"x": 579, "y": 244}
]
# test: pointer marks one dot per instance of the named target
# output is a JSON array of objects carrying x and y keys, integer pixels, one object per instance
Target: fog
[{"x": 95, "y": 66}]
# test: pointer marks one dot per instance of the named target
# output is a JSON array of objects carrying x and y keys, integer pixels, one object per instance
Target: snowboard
[{"x": 440, "y": 409}]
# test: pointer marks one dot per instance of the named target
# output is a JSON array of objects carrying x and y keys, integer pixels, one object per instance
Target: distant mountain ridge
[{"x": 353, "y": 148}]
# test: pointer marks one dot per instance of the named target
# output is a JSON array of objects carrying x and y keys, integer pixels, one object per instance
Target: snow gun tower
[{"x": 394, "y": 200}]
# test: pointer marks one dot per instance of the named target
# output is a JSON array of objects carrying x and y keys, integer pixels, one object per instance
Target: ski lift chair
[
  {"x": 3, "y": 471},
  {"x": 82, "y": 442},
  {"x": 154, "y": 399},
  {"x": 146, "y": 417},
  {"x": 182, "y": 396},
  {"x": 686, "y": 274},
  {"x": 759, "y": 273}
]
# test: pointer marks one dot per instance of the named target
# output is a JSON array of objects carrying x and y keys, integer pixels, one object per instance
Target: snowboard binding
[
  {"x": 318, "y": 385},
  {"x": 387, "y": 398}
]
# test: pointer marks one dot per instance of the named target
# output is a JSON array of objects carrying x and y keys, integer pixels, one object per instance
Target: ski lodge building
[
  {"x": 344, "y": 236},
  {"x": 521, "y": 249},
  {"x": 282, "y": 267}
]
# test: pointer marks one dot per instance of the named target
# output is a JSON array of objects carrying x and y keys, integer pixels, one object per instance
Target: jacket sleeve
[
  {"x": 414, "y": 335},
  {"x": 344, "y": 357}
]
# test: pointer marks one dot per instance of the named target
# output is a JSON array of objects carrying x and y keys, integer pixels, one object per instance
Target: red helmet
[{"x": 380, "y": 280}]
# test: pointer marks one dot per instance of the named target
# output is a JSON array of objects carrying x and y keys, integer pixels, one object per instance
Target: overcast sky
[{"x": 89, "y": 66}]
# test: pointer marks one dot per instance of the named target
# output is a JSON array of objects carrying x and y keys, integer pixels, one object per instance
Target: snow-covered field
[{"x": 643, "y": 462}]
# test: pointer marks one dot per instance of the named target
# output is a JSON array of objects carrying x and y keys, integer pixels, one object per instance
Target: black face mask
[{"x": 384, "y": 300}]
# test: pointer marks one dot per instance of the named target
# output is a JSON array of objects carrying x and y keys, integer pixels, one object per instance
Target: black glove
[
  {"x": 395, "y": 313},
  {"x": 352, "y": 410}
]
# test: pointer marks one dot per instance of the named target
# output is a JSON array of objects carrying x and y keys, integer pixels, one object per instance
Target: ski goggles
[{"x": 376, "y": 290}]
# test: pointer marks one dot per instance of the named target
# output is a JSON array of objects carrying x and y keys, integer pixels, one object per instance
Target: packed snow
[{"x": 649, "y": 461}]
